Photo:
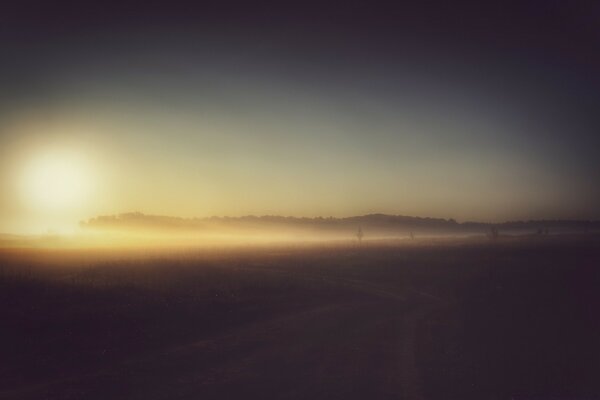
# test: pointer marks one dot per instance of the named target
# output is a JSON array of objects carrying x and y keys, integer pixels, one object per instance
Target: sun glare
[{"x": 56, "y": 180}]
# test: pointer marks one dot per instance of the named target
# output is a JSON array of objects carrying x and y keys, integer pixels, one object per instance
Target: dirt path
[{"x": 405, "y": 326}]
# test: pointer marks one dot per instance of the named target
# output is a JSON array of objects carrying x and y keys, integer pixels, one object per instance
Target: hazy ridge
[{"x": 379, "y": 223}]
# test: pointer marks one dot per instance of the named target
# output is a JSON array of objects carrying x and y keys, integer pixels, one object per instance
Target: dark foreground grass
[{"x": 516, "y": 318}]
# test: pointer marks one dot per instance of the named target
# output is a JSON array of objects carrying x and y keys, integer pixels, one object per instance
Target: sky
[{"x": 469, "y": 111}]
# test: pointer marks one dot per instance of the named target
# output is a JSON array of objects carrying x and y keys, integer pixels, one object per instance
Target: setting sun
[{"x": 56, "y": 180}]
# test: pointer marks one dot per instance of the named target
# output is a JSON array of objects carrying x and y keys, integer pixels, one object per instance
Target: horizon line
[{"x": 330, "y": 217}]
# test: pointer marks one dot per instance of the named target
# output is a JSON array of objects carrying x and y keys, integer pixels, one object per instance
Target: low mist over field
[{"x": 137, "y": 229}]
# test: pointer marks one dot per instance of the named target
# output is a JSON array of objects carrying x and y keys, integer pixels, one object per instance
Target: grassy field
[{"x": 515, "y": 318}]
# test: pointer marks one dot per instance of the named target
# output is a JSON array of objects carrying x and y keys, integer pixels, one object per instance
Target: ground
[{"x": 513, "y": 318}]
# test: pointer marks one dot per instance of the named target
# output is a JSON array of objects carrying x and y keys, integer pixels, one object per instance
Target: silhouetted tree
[{"x": 493, "y": 233}]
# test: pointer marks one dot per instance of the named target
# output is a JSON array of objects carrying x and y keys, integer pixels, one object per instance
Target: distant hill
[{"x": 372, "y": 224}]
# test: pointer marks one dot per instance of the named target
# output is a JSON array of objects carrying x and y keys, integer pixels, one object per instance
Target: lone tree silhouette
[
  {"x": 360, "y": 234},
  {"x": 493, "y": 233}
]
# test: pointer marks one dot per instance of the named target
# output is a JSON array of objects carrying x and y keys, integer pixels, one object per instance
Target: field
[{"x": 513, "y": 318}]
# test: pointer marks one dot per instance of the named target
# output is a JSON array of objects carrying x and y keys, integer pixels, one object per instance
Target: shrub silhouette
[{"x": 360, "y": 234}]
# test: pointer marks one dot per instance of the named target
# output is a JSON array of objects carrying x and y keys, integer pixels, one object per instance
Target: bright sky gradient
[{"x": 168, "y": 123}]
